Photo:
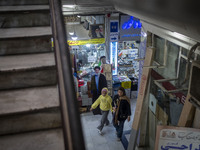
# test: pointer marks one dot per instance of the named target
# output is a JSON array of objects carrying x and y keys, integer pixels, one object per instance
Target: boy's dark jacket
[{"x": 122, "y": 105}]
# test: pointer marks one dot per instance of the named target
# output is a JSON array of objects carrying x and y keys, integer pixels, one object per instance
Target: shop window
[
  {"x": 159, "y": 46},
  {"x": 170, "y": 70},
  {"x": 185, "y": 52}
]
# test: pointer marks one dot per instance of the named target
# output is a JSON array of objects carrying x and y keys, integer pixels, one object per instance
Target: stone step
[
  {"x": 23, "y": 2},
  {"x": 24, "y": 8},
  {"x": 22, "y": 71},
  {"x": 25, "y": 46},
  {"x": 24, "y": 19},
  {"x": 39, "y": 120},
  {"x": 25, "y": 32},
  {"x": 29, "y": 109},
  {"x": 40, "y": 140},
  {"x": 27, "y": 100}
]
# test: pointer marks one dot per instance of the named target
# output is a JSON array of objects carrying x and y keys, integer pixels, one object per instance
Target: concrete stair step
[
  {"x": 24, "y": 19},
  {"x": 25, "y": 46},
  {"x": 28, "y": 100},
  {"x": 23, "y": 8},
  {"x": 23, "y": 71},
  {"x": 19, "y": 62},
  {"x": 43, "y": 119},
  {"x": 23, "y": 2},
  {"x": 40, "y": 140},
  {"x": 25, "y": 32},
  {"x": 24, "y": 16}
]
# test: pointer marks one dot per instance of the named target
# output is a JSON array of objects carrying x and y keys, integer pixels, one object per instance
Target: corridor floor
[{"x": 108, "y": 140}]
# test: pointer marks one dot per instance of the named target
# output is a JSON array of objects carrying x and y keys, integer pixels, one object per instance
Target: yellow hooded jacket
[{"x": 104, "y": 101}]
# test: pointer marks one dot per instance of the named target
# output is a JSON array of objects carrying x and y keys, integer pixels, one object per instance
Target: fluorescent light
[
  {"x": 178, "y": 35},
  {"x": 71, "y": 33},
  {"x": 69, "y": 6},
  {"x": 88, "y": 45},
  {"x": 144, "y": 34}
]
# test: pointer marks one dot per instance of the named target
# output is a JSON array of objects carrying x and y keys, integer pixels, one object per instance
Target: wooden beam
[
  {"x": 187, "y": 114},
  {"x": 144, "y": 121},
  {"x": 141, "y": 96}
]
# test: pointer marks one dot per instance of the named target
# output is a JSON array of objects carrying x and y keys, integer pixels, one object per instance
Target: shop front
[{"x": 125, "y": 53}]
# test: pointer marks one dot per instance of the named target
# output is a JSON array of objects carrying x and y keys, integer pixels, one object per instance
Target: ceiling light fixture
[
  {"x": 69, "y": 6},
  {"x": 88, "y": 45},
  {"x": 71, "y": 33},
  {"x": 74, "y": 38}
]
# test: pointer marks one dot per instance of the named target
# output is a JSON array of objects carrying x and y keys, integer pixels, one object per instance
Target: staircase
[{"x": 30, "y": 116}]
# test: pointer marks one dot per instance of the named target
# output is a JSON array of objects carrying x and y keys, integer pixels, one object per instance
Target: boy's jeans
[{"x": 119, "y": 128}]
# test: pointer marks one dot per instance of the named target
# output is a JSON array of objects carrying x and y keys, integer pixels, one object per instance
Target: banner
[{"x": 84, "y": 42}]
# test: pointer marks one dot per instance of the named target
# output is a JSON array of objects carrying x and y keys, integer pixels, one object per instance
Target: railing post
[{"x": 72, "y": 130}]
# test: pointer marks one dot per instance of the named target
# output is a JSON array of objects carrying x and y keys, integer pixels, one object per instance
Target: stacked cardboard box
[
  {"x": 107, "y": 71},
  {"x": 127, "y": 86}
]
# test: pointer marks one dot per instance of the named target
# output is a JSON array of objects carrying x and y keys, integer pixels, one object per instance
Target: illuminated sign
[
  {"x": 132, "y": 22},
  {"x": 130, "y": 28}
]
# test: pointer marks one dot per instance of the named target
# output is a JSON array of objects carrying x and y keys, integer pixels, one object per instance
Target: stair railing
[{"x": 72, "y": 130}]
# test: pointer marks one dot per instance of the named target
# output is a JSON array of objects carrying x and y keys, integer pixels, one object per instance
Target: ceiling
[{"x": 182, "y": 16}]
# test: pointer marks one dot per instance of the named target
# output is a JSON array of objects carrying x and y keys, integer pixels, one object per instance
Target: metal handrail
[{"x": 72, "y": 130}]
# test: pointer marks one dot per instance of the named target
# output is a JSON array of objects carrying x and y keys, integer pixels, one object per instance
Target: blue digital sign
[{"x": 132, "y": 22}]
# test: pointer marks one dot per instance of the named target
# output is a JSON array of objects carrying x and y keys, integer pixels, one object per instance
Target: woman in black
[{"x": 122, "y": 111}]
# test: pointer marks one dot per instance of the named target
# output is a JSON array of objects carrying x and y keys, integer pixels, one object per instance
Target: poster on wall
[
  {"x": 97, "y": 31},
  {"x": 171, "y": 138},
  {"x": 130, "y": 28}
]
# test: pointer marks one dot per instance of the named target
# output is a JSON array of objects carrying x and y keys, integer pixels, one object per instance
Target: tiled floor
[{"x": 107, "y": 141}]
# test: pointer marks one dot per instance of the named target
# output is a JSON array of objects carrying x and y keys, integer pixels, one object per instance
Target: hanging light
[
  {"x": 74, "y": 38},
  {"x": 71, "y": 33}
]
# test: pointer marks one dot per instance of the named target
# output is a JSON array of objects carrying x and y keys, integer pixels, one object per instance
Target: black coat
[
  {"x": 124, "y": 107},
  {"x": 102, "y": 84},
  {"x": 95, "y": 93}
]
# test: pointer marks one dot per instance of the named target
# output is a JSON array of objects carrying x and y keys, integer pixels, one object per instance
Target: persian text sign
[{"x": 170, "y": 138}]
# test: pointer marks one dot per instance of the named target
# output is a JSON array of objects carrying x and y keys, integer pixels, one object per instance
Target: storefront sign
[
  {"x": 169, "y": 138},
  {"x": 130, "y": 28},
  {"x": 84, "y": 42},
  {"x": 91, "y": 59},
  {"x": 114, "y": 37},
  {"x": 114, "y": 30}
]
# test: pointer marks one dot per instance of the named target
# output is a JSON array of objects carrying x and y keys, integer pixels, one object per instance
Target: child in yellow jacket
[{"x": 104, "y": 101}]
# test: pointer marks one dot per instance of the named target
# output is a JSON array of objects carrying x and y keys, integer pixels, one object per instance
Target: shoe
[
  {"x": 107, "y": 124},
  {"x": 99, "y": 131}
]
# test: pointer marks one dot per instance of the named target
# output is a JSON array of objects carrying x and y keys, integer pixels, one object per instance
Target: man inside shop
[
  {"x": 102, "y": 61},
  {"x": 98, "y": 82}
]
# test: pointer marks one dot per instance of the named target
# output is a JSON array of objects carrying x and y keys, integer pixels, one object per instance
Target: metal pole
[{"x": 72, "y": 130}]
